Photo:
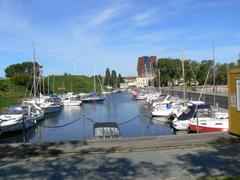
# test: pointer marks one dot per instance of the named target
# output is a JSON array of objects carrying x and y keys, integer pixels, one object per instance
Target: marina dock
[{"x": 172, "y": 157}]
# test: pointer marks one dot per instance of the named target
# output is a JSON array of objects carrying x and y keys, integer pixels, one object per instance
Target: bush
[{"x": 21, "y": 79}]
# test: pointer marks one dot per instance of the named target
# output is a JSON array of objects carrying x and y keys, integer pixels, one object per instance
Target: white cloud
[
  {"x": 106, "y": 14},
  {"x": 145, "y": 18}
]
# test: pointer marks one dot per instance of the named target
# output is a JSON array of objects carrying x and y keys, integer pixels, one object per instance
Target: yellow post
[{"x": 234, "y": 101}]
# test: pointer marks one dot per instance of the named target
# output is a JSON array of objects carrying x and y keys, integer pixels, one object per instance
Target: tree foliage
[
  {"x": 195, "y": 72},
  {"x": 22, "y": 68},
  {"x": 113, "y": 78},
  {"x": 107, "y": 79},
  {"x": 119, "y": 80}
]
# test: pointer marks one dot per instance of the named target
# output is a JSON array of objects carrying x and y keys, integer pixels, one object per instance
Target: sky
[{"x": 114, "y": 33}]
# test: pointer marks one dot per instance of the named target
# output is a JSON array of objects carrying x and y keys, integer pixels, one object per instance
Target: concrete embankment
[
  {"x": 111, "y": 146},
  {"x": 195, "y": 156},
  {"x": 220, "y": 98}
]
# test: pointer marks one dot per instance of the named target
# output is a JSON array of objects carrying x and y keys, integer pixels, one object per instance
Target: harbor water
[{"x": 119, "y": 107}]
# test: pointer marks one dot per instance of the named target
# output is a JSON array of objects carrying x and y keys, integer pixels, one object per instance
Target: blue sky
[{"x": 114, "y": 33}]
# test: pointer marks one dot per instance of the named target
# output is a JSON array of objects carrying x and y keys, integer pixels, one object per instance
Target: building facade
[
  {"x": 142, "y": 82},
  {"x": 145, "y": 66},
  {"x": 234, "y": 101}
]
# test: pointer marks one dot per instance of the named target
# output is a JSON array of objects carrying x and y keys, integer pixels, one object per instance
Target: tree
[
  {"x": 204, "y": 68},
  {"x": 113, "y": 78},
  {"x": 3, "y": 87},
  {"x": 23, "y": 68},
  {"x": 22, "y": 79},
  {"x": 221, "y": 73},
  {"x": 119, "y": 80},
  {"x": 170, "y": 70},
  {"x": 107, "y": 79}
]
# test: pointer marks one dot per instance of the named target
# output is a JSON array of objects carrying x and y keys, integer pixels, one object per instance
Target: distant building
[
  {"x": 145, "y": 66},
  {"x": 142, "y": 82}
]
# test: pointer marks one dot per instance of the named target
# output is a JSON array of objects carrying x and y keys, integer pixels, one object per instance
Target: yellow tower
[{"x": 234, "y": 101}]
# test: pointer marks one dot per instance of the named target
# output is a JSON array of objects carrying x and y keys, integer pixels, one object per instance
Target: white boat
[
  {"x": 164, "y": 110},
  {"x": 52, "y": 104},
  {"x": 16, "y": 118},
  {"x": 36, "y": 111},
  {"x": 93, "y": 97},
  {"x": 71, "y": 100},
  {"x": 181, "y": 122}
]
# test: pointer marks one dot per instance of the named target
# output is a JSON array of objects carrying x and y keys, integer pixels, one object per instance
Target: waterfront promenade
[{"x": 170, "y": 157}]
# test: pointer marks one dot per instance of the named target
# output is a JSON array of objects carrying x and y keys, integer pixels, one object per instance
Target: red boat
[{"x": 209, "y": 122}]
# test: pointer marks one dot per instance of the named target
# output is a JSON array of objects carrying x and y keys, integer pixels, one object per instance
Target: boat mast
[
  {"x": 183, "y": 75},
  {"x": 34, "y": 72},
  {"x": 48, "y": 85},
  {"x": 94, "y": 83},
  {"x": 159, "y": 80},
  {"x": 214, "y": 77}
]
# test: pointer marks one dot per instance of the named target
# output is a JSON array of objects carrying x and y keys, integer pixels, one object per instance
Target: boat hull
[
  {"x": 93, "y": 100},
  {"x": 17, "y": 126},
  {"x": 204, "y": 129},
  {"x": 50, "y": 109},
  {"x": 72, "y": 103}
]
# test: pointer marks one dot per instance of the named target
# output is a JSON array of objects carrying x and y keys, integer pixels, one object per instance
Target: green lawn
[{"x": 12, "y": 94}]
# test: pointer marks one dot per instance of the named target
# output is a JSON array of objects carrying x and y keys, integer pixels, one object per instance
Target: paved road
[{"x": 186, "y": 160}]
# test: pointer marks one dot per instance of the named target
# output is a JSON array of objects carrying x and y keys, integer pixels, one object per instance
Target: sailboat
[
  {"x": 47, "y": 104},
  {"x": 214, "y": 121},
  {"x": 93, "y": 97}
]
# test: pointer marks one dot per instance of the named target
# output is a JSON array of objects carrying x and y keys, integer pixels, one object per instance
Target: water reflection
[{"x": 117, "y": 107}]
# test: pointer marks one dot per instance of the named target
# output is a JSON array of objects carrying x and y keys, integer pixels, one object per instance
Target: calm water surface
[{"x": 117, "y": 107}]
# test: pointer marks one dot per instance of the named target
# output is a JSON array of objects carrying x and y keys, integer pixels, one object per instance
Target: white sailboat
[
  {"x": 93, "y": 97},
  {"x": 216, "y": 121}
]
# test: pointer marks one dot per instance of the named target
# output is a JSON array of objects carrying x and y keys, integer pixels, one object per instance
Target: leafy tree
[
  {"x": 238, "y": 63},
  {"x": 3, "y": 87},
  {"x": 170, "y": 70},
  {"x": 221, "y": 73},
  {"x": 107, "y": 79},
  {"x": 23, "y": 68},
  {"x": 202, "y": 72},
  {"x": 22, "y": 79},
  {"x": 113, "y": 78},
  {"x": 119, "y": 80}
]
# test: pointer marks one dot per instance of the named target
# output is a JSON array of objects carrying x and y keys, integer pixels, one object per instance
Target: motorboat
[
  {"x": 51, "y": 104},
  {"x": 36, "y": 111},
  {"x": 209, "y": 121},
  {"x": 93, "y": 97},
  {"x": 71, "y": 100},
  {"x": 164, "y": 110},
  {"x": 17, "y": 118},
  {"x": 181, "y": 122}
]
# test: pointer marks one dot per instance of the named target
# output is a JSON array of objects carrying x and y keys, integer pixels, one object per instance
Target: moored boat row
[{"x": 192, "y": 116}]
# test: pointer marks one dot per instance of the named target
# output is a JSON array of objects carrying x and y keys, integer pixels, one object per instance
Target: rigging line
[
  {"x": 129, "y": 120},
  {"x": 61, "y": 125},
  {"x": 91, "y": 120},
  {"x": 192, "y": 71},
  {"x": 122, "y": 123}
]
